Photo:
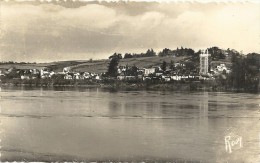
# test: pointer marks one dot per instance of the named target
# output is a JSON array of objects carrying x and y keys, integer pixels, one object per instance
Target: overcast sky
[{"x": 74, "y": 31}]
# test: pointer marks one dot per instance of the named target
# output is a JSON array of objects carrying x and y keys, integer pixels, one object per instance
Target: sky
[{"x": 35, "y": 31}]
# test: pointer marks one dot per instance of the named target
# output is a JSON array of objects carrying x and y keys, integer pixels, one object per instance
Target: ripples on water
[{"x": 92, "y": 124}]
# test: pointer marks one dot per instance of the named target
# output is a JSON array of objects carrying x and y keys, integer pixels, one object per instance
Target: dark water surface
[{"x": 48, "y": 124}]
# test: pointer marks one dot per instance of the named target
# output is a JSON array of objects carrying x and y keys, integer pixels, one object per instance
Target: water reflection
[
  {"x": 204, "y": 106},
  {"x": 115, "y": 108},
  {"x": 93, "y": 124}
]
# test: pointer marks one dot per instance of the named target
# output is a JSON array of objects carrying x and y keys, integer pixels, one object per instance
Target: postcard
[{"x": 130, "y": 81}]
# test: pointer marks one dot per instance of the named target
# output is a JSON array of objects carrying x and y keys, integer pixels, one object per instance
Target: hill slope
[
  {"x": 97, "y": 66},
  {"x": 145, "y": 62}
]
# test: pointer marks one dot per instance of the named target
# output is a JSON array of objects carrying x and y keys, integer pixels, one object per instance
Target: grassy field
[
  {"x": 145, "y": 62},
  {"x": 97, "y": 66},
  {"x": 56, "y": 66}
]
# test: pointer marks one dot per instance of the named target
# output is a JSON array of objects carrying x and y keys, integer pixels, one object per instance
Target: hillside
[
  {"x": 56, "y": 66},
  {"x": 97, "y": 66},
  {"x": 144, "y": 62}
]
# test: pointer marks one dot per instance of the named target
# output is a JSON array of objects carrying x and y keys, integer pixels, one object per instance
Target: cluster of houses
[
  {"x": 68, "y": 74},
  {"x": 155, "y": 73},
  {"x": 178, "y": 73},
  {"x": 220, "y": 69},
  {"x": 45, "y": 73}
]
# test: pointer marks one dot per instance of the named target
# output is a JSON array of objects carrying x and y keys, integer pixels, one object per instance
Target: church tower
[{"x": 204, "y": 62}]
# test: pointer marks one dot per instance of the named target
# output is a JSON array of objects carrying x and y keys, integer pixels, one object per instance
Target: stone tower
[{"x": 204, "y": 62}]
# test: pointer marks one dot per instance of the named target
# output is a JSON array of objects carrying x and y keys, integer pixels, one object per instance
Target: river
[{"x": 81, "y": 124}]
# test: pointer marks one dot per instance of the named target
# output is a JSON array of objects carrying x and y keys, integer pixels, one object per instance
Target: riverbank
[{"x": 115, "y": 85}]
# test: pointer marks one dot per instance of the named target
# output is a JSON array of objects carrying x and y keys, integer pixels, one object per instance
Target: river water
[{"x": 72, "y": 124}]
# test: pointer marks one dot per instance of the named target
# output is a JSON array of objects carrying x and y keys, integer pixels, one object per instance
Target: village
[{"x": 179, "y": 71}]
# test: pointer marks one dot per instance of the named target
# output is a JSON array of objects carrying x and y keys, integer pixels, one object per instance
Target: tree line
[{"x": 216, "y": 53}]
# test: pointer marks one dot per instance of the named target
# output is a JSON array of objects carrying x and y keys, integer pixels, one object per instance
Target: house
[
  {"x": 68, "y": 76},
  {"x": 176, "y": 77},
  {"x": 120, "y": 77},
  {"x": 60, "y": 73},
  {"x": 146, "y": 78},
  {"x": 86, "y": 75},
  {"x": 129, "y": 77},
  {"x": 3, "y": 71},
  {"x": 25, "y": 73},
  {"x": 184, "y": 77},
  {"x": 191, "y": 77},
  {"x": 166, "y": 78},
  {"x": 220, "y": 69},
  {"x": 159, "y": 73},
  {"x": 148, "y": 71},
  {"x": 24, "y": 77},
  {"x": 97, "y": 77},
  {"x": 35, "y": 71},
  {"x": 157, "y": 68},
  {"x": 121, "y": 69},
  {"x": 66, "y": 69},
  {"x": 46, "y": 73},
  {"x": 140, "y": 76},
  {"x": 179, "y": 64},
  {"x": 78, "y": 76},
  {"x": 140, "y": 71}
]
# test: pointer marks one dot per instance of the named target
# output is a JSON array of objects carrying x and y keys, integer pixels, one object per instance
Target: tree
[
  {"x": 252, "y": 72},
  {"x": 216, "y": 53},
  {"x": 112, "y": 67},
  {"x": 163, "y": 66},
  {"x": 128, "y": 55},
  {"x": 253, "y": 63},
  {"x": 190, "y": 66},
  {"x": 116, "y": 55},
  {"x": 238, "y": 71},
  {"x": 132, "y": 71},
  {"x": 245, "y": 71},
  {"x": 150, "y": 53},
  {"x": 196, "y": 56},
  {"x": 13, "y": 73},
  {"x": 164, "y": 52},
  {"x": 119, "y": 56},
  {"x": 172, "y": 67}
]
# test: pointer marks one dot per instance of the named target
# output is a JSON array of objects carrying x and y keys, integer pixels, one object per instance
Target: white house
[
  {"x": 67, "y": 76},
  {"x": 179, "y": 64},
  {"x": 121, "y": 69},
  {"x": 176, "y": 77},
  {"x": 25, "y": 77},
  {"x": 66, "y": 69},
  {"x": 148, "y": 71},
  {"x": 86, "y": 75},
  {"x": 78, "y": 76},
  {"x": 220, "y": 68},
  {"x": 166, "y": 78},
  {"x": 97, "y": 77}
]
